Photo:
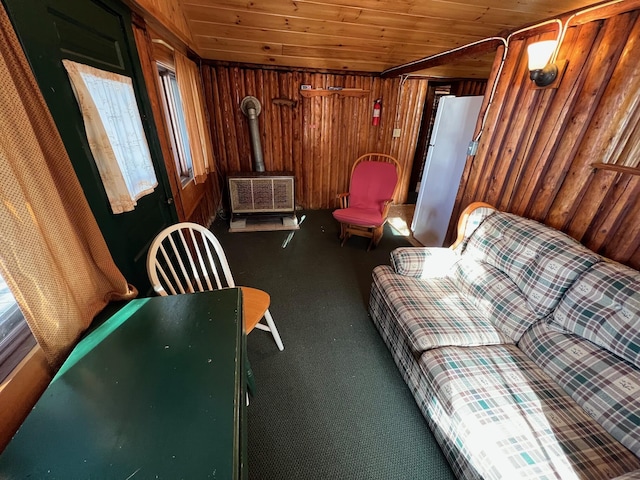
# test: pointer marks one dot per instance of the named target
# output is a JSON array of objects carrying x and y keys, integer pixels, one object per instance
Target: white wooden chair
[{"x": 188, "y": 258}]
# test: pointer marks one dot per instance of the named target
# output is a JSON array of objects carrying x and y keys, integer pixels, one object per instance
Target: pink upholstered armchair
[{"x": 363, "y": 211}]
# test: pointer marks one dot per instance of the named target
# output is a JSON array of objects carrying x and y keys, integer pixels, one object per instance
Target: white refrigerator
[{"x": 452, "y": 133}]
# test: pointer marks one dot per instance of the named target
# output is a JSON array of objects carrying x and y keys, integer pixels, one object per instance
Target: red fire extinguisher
[{"x": 377, "y": 106}]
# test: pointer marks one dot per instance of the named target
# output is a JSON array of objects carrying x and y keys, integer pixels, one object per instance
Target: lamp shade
[{"x": 540, "y": 53}]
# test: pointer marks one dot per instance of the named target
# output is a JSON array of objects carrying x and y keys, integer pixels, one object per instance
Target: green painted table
[{"x": 157, "y": 391}]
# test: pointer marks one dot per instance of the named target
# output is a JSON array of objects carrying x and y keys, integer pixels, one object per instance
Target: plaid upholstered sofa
[{"x": 521, "y": 348}]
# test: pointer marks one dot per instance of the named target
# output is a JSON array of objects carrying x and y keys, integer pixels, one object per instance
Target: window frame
[
  {"x": 18, "y": 341},
  {"x": 175, "y": 118}
]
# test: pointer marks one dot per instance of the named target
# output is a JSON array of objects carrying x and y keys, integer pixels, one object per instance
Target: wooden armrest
[
  {"x": 344, "y": 199},
  {"x": 386, "y": 207},
  {"x": 464, "y": 217}
]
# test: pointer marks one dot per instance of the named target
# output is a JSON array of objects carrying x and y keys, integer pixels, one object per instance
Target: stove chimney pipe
[{"x": 251, "y": 108}]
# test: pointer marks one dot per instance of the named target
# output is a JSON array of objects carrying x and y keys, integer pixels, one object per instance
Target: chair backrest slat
[
  {"x": 174, "y": 275},
  {"x": 178, "y": 260},
  {"x": 195, "y": 275},
  {"x": 175, "y": 268},
  {"x": 203, "y": 267},
  {"x": 166, "y": 279}
]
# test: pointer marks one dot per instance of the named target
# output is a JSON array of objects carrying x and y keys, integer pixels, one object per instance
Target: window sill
[{"x": 20, "y": 391}]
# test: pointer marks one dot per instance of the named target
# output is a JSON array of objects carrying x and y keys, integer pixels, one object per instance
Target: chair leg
[
  {"x": 376, "y": 236},
  {"x": 273, "y": 329},
  {"x": 345, "y": 238}
]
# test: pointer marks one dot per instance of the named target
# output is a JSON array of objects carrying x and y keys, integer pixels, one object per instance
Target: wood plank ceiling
[{"x": 357, "y": 35}]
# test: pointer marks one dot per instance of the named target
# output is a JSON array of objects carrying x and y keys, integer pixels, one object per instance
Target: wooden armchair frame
[{"x": 373, "y": 232}]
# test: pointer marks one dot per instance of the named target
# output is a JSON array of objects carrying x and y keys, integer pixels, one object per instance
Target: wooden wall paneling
[
  {"x": 516, "y": 135},
  {"x": 313, "y": 176},
  {"x": 328, "y": 134},
  {"x": 272, "y": 119},
  {"x": 398, "y": 92},
  {"x": 281, "y": 124},
  {"x": 478, "y": 169},
  {"x": 297, "y": 138},
  {"x": 409, "y": 117},
  {"x": 523, "y": 131},
  {"x": 309, "y": 144},
  {"x": 212, "y": 97},
  {"x": 260, "y": 89},
  {"x": 305, "y": 112},
  {"x": 613, "y": 113},
  {"x": 536, "y": 152},
  {"x": 622, "y": 192},
  {"x": 338, "y": 105},
  {"x": 242, "y": 84},
  {"x": 623, "y": 243},
  {"x": 466, "y": 88},
  {"x": 557, "y": 111},
  {"x": 619, "y": 112},
  {"x": 167, "y": 14},
  {"x": 508, "y": 99},
  {"x": 214, "y": 91},
  {"x": 319, "y": 138},
  {"x": 347, "y": 108},
  {"x": 564, "y": 140},
  {"x": 411, "y": 124},
  {"x": 602, "y": 64}
]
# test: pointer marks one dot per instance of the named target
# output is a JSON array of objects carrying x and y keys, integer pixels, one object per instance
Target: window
[
  {"x": 178, "y": 126},
  {"x": 15, "y": 337}
]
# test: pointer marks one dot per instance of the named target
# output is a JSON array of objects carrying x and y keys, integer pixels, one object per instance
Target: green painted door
[{"x": 96, "y": 33}]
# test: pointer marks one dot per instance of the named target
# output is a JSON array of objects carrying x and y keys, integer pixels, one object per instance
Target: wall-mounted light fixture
[{"x": 541, "y": 71}]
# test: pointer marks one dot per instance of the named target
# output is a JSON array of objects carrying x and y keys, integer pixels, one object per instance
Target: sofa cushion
[
  {"x": 423, "y": 262},
  {"x": 496, "y": 295},
  {"x": 511, "y": 420},
  {"x": 603, "y": 306},
  {"x": 540, "y": 260},
  {"x": 605, "y": 386},
  {"x": 432, "y": 313}
]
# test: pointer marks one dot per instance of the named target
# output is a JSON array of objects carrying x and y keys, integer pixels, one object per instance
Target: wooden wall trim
[
  {"x": 478, "y": 48},
  {"x": 145, "y": 52},
  {"x": 20, "y": 391}
]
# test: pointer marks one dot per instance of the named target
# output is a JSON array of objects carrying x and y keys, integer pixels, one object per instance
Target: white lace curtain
[{"x": 115, "y": 133}]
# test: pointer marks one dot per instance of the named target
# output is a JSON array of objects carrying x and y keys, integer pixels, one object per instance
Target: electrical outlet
[
  {"x": 473, "y": 147},
  {"x": 396, "y": 132}
]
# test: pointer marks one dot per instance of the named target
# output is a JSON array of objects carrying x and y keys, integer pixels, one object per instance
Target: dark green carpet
[{"x": 332, "y": 405}]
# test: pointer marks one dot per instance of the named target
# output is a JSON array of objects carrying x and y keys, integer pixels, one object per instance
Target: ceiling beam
[{"x": 473, "y": 49}]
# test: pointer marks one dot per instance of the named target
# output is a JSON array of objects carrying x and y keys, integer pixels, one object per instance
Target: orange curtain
[
  {"x": 192, "y": 95},
  {"x": 52, "y": 253}
]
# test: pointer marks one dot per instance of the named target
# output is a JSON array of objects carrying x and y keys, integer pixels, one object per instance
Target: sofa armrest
[
  {"x": 423, "y": 262},
  {"x": 469, "y": 220},
  {"x": 635, "y": 475}
]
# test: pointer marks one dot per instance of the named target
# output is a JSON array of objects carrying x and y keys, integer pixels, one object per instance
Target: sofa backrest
[
  {"x": 530, "y": 267},
  {"x": 603, "y": 306}
]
